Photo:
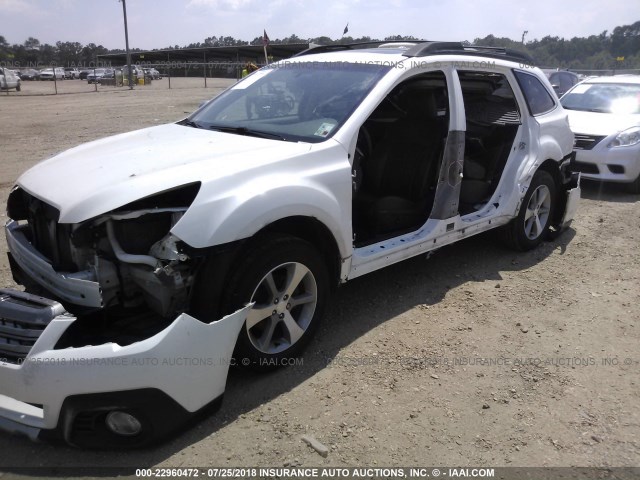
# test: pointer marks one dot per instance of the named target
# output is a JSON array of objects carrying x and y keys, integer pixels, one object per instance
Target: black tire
[
  {"x": 18, "y": 87},
  {"x": 273, "y": 339},
  {"x": 524, "y": 232},
  {"x": 634, "y": 187}
]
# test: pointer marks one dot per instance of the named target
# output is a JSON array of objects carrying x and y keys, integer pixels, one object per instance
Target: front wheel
[
  {"x": 531, "y": 226},
  {"x": 287, "y": 280},
  {"x": 634, "y": 187}
]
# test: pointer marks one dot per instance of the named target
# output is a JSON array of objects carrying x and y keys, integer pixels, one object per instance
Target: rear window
[{"x": 538, "y": 98}]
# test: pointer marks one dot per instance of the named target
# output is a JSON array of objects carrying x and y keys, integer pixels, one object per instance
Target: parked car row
[
  {"x": 94, "y": 76},
  {"x": 72, "y": 73},
  {"x": 98, "y": 74},
  {"x": 51, "y": 73}
]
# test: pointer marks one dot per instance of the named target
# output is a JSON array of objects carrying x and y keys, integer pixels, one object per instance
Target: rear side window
[{"x": 538, "y": 98}]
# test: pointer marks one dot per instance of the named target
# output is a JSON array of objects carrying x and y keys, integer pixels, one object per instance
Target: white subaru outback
[{"x": 153, "y": 258}]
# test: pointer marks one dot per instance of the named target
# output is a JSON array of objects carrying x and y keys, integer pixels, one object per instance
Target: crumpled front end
[
  {"x": 125, "y": 258},
  {"x": 107, "y": 394}
]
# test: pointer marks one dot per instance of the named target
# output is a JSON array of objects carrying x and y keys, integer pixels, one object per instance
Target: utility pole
[{"x": 126, "y": 40}]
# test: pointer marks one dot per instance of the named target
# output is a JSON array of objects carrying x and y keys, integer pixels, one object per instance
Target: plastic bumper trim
[{"x": 75, "y": 288}]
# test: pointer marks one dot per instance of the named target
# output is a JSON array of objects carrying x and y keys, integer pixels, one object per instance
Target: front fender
[
  {"x": 323, "y": 194},
  {"x": 262, "y": 210}
]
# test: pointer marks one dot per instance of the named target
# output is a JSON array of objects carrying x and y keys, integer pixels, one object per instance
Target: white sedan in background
[
  {"x": 56, "y": 73},
  {"x": 604, "y": 114}
]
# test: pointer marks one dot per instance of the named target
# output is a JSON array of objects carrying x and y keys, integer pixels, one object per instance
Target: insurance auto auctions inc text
[{"x": 353, "y": 472}]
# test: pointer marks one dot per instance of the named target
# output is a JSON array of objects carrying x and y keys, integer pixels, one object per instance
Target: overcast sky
[{"x": 163, "y": 23}]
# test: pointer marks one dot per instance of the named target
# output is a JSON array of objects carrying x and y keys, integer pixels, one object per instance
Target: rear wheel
[{"x": 531, "y": 226}]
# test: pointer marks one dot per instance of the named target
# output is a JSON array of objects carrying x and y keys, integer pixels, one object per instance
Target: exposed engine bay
[{"x": 143, "y": 271}]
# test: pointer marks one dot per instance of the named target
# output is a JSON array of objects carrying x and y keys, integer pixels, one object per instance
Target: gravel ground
[{"x": 477, "y": 356}]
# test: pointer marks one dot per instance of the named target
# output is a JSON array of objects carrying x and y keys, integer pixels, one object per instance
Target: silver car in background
[
  {"x": 604, "y": 114},
  {"x": 96, "y": 75}
]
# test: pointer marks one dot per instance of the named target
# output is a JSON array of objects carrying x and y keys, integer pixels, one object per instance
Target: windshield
[
  {"x": 618, "y": 98},
  {"x": 306, "y": 101}
]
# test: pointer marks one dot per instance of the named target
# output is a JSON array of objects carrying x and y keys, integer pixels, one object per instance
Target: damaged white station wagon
[{"x": 225, "y": 233}]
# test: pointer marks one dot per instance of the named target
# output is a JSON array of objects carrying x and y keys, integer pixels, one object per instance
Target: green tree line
[{"x": 618, "y": 49}]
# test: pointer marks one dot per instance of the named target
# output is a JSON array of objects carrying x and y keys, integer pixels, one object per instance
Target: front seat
[{"x": 400, "y": 177}]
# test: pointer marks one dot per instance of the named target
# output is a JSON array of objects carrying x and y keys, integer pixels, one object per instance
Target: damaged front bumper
[
  {"x": 68, "y": 393},
  {"x": 79, "y": 288}
]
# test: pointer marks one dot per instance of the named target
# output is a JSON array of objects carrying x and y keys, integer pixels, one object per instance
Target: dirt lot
[{"x": 477, "y": 356}]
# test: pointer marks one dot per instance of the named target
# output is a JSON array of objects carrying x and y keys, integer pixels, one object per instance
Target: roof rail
[
  {"x": 457, "y": 48},
  {"x": 353, "y": 46},
  {"x": 423, "y": 48}
]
